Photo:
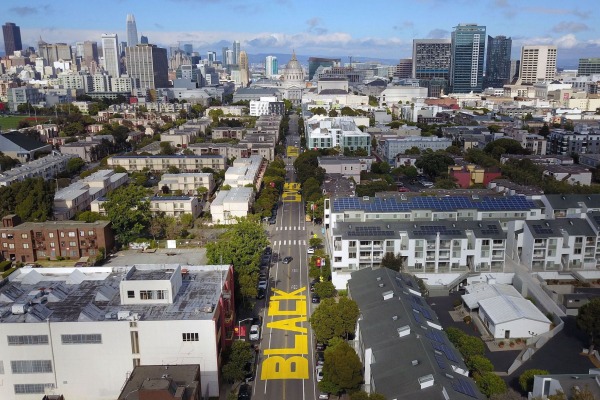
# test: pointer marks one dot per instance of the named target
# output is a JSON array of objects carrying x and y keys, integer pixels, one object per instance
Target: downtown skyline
[{"x": 312, "y": 28}]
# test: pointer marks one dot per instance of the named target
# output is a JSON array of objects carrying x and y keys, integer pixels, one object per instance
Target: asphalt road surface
[{"x": 285, "y": 369}]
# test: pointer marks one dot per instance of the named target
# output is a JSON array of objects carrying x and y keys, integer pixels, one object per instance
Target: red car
[{"x": 403, "y": 189}]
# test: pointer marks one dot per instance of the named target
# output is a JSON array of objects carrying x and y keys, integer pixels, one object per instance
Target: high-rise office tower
[
  {"x": 271, "y": 66},
  {"x": 110, "y": 51},
  {"x": 12, "y": 38},
  {"x": 538, "y": 63},
  {"x": 54, "y": 51},
  {"x": 316, "y": 62},
  {"x": 229, "y": 57},
  {"x": 132, "y": 36},
  {"x": 188, "y": 48},
  {"x": 404, "y": 68},
  {"x": 224, "y": 51},
  {"x": 79, "y": 49},
  {"x": 515, "y": 66},
  {"x": 236, "y": 53},
  {"x": 588, "y": 66},
  {"x": 497, "y": 70},
  {"x": 244, "y": 68},
  {"x": 90, "y": 54},
  {"x": 468, "y": 52},
  {"x": 148, "y": 64},
  {"x": 431, "y": 61},
  {"x": 211, "y": 56},
  {"x": 144, "y": 39}
]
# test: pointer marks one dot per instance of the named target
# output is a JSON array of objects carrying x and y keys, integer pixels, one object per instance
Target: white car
[
  {"x": 319, "y": 373},
  {"x": 262, "y": 284},
  {"x": 311, "y": 250},
  {"x": 427, "y": 183},
  {"x": 254, "y": 332}
]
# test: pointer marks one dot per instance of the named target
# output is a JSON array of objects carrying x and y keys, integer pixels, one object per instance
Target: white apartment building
[
  {"x": 245, "y": 171},
  {"x": 170, "y": 206},
  {"x": 161, "y": 163},
  {"x": 570, "y": 206},
  {"x": 389, "y": 148},
  {"x": 46, "y": 167},
  {"x": 266, "y": 106},
  {"x": 122, "y": 83},
  {"x": 80, "y": 332},
  {"x": 401, "y": 94},
  {"x": 329, "y": 132},
  {"x": 538, "y": 63},
  {"x": 78, "y": 196},
  {"x": 230, "y": 204},
  {"x": 425, "y": 247},
  {"x": 188, "y": 183}
]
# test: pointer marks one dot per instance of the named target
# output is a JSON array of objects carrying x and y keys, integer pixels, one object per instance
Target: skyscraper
[
  {"x": 236, "y": 52},
  {"x": 431, "y": 63},
  {"x": 52, "y": 52},
  {"x": 90, "y": 54},
  {"x": 316, "y": 62},
  {"x": 538, "y": 63},
  {"x": 404, "y": 68},
  {"x": 12, "y": 38},
  {"x": 588, "y": 66},
  {"x": 229, "y": 57},
  {"x": 132, "y": 36},
  {"x": 148, "y": 64},
  {"x": 188, "y": 48},
  {"x": 211, "y": 56},
  {"x": 497, "y": 70},
  {"x": 271, "y": 66},
  {"x": 468, "y": 52},
  {"x": 244, "y": 70},
  {"x": 144, "y": 39},
  {"x": 515, "y": 66},
  {"x": 110, "y": 50},
  {"x": 224, "y": 51}
]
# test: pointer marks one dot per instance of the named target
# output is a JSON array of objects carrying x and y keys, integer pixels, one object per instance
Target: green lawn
[{"x": 12, "y": 121}]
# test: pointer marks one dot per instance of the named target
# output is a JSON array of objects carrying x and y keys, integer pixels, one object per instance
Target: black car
[
  {"x": 315, "y": 299},
  {"x": 287, "y": 260},
  {"x": 321, "y": 346},
  {"x": 244, "y": 392},
  {"x": 261, "y": 294},
  {"x": 268, "y": 251},
  {"x": 272, "y": 221},
  {"x": 249, "y": 370},
  {"x": 320, "y": 358},
  {"x": 312, "y": 285}
]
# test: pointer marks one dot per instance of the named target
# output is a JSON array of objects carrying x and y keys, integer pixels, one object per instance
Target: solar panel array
[
  {"x": 542, "y": 230},
  {"x": 417, "y": 316},
  {"x": 436, "y": 336},
  {"x": 434, "y": 229},
  {"x": 450, "y": 203},
  {"x": 440, "y": 360},
  {"x": 423, "y": 311},
  {"x": 446, "y": 350},
  {"x": 597, "y": 219},
  {"x": 465, "y": 387},
  {"x": 370, "y": 231},
  {"x": 490, "y": 230}
]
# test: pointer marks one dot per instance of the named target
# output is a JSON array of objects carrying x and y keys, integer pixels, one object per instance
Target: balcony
[{"x": 228, "y": 317}]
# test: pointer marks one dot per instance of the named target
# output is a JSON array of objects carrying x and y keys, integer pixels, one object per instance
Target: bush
[
  {"x": 467, "y": 319},
  {"x": 5, "y": 265},
  {"x": 526, "y": 378}
]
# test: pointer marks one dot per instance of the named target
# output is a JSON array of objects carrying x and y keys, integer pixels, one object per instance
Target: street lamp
[{"x": 240, "y": 326}]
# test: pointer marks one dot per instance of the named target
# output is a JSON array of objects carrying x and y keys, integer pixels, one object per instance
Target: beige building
[
  {"x": 187, "y": 183},
  {"x": 170, "y": 206},
  {"x": 161, "y": 163},
  {"x": 538, "y": 63},
  {"x": 230, "y": 204}
]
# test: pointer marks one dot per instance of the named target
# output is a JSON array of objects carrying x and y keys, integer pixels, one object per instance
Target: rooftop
[
  {"x": 504, "y": 308},
  {"x": 160, "y": 377},
  {"x": 561, "y": 201},
  {"x": 558, "y": 227}
]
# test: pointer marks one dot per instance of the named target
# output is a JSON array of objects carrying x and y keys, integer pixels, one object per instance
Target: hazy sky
[{"x": 383, "y": 29}]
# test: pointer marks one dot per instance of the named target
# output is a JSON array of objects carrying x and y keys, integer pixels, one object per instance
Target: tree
[
  {"x": 392, "y": 262},
  {"x": 434, "y": 164},
  {"x": 128, "y": 209},
  {"x": 380, "y": 168},
  {"x": 454, "y": 335},
  {"x": 582, "y": 394},
  {"x": 588, "y": 320},
  {"x": 413, "y": 151},
  {"x": 479, "y": 364},
  {"x": 241, "y": 352},
  {"x": 331, "y": 319},
  {"x": 362, "y": 395},
  {"x": 544, "y": 130},
  {"x": 90, "y": 216},
  {"x": 490, "y": 384},
  {"x": 342, "y": 370},
  {"x": 74, "y": 165},
  {"x": 526, "y": 378},
  {"x": 510, "y": 394},
  {"x": 173, "y": 170},
  {"x": 315, "y": 242},
  {"x": 504, "y": 146},
  {"x": 157, "y": 226},
  {"x": 470, "y": 346},
  {"x": 325, "y": 289},
  {"x": 166, "y": 148}
]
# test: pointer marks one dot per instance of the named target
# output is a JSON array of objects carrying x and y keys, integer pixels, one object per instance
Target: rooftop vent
[
  {"x": 403, "y": 331},
  {"x": 426, "y": 381},
  {"x": 365, "y": 198},
  {"x": 388, "y": 295},
  {"x": 381, "y": 284},
  {"x": 415, "y": 363},
  {"x": 395, "y": 318},
  {"x": 378, "y": 278},
  {"x": 19, "y": 308}
]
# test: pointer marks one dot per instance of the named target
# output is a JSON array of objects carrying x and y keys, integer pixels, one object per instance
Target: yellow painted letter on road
[
  {"x": 301, "y": 347},
  {"x": 274, "y": 308},
  {"x": 295, "y": 295},
  {"x": 288, "y": 324},
  {"x": 277, "y": 367}
]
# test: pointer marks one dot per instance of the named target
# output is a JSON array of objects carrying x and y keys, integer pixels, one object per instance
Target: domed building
[{"x": 293, "y": 81}]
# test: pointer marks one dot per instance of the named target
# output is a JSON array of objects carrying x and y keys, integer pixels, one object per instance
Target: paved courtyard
[{"x": 195, "y": 256}]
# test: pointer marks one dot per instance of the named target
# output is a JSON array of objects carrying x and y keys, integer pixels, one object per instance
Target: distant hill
[{"x": 283, "y": 59}]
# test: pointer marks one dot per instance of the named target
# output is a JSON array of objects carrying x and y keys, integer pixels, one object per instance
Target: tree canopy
[
  {"x": 239, "y": 354},
  {"x": 588, "y": 319},
  {"x": 31, "y": 199},
  {"x": 342, "y": 370},
  {"x": 334, "y": 319},
  {"x": 128, "y": 209},
  {"x": 526, "y": 378},
  {"x": 434, "y": 164}
]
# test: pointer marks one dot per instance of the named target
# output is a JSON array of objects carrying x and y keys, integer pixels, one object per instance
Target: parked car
[
  {"x": 312, "y": 285},
  {"x": 427, "y": 184},
  {"x": 254, "y": 332},
  {"x": 287, "y": 260},
  {"x": 320, "y": 358},
  {"x": 249, "y": 370},
  {"x": 320, "y": 346},
  {"x": 263, "y": 284},
  {"x": 260, "y": 294},
  {"x": 310, "y": 250},
  {"x": 323, "y": 396},
  {"x": 268, "y": 251},
  {"x": 244, "y": 392},
  {"x": 403, "y": 189},
  {"x": 315, "y": 299},
  {"x": 319, "y": 373}
]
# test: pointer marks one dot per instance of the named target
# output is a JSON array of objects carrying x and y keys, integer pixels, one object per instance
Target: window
[
  {"x": 51, "y": 234},
  {"x": 73, "y": 244},
  {"x": 52, "y": 244},
  {"x": 352, "y": 255},
  {"x": 23, "y": 236},
  {"x": 146, "y": 294},
  {"x": 82, "y": 233},
  {"x": 352, "y": 243},
  {"x": 25, "y": 245},
  {"x": 27, "y": 388},
  {"x": 27, "y": 339},
  {"x": 90, "y": 233},
  {"x": 31, "y": 366},
  {"x": 72, "y": 234},
  {"x": 130, "y": 294},
  {"x": 161, "y": 294},
  {"x": 190, "y": 337},
  {"x": 11, "y": 245},
  {"x": 62, "y": 234},
  {"x": 93, "y": 338}
]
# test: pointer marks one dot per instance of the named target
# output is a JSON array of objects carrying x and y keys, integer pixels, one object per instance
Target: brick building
[{"x": 31, "y": 241}]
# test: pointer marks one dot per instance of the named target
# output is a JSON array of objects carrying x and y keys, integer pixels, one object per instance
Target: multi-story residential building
[
  {"x": 78, "y": 196},
  {"x": 121, "y": 317},
  {"x": 590, "y": 160},
  {"x": 170, "y": 206},
  {"x": 404, "y": 69},
  {"x": 161, "y": 163},
  {"x": 497, "y": 72},
  {"x": 46, "y": 167},
  {"x": 266, "y": 106},
  {"x": 271, "y": 66},
  {"x": 389, "y": 148},
  {"x": 231, "y": 204},
  {"x": 187, "y": 183},
  {"x": 572, "y": 174},
  {"x": 432, "y": 367},
  {"x": 588, "y": 66},
  {"x": 431, "y": 61},
  {"x": 22, "y": 147},
  {"x": 12, "y": 38},
  {"x": 329, "y": 132},
  {"x": 538, "y": 63},
  {"x": 148, "y": 64},
  {"x": 470, "y": 174},
  {"x": 30, "y": 241},
  {"x": 101, "y": 82},
  {"x": 425, "y": 247},
  {"x": 406, "y": 207},
  {"x": 468, "y": 52},
  {"x": 123, "y": 83},
  {"x": 86, "y": 150},
  {"x": 561, "y": 141},
  {"x": 245, "y": 171},
  {"x": 225, "y": 132},
  {"x": 560, "y": 244},
  {"x": 110, "y": 51},
  {"x": 570, "y": 206},
  {"x": 347, "y": 167},
  {"x": 23, "y": 95}
]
